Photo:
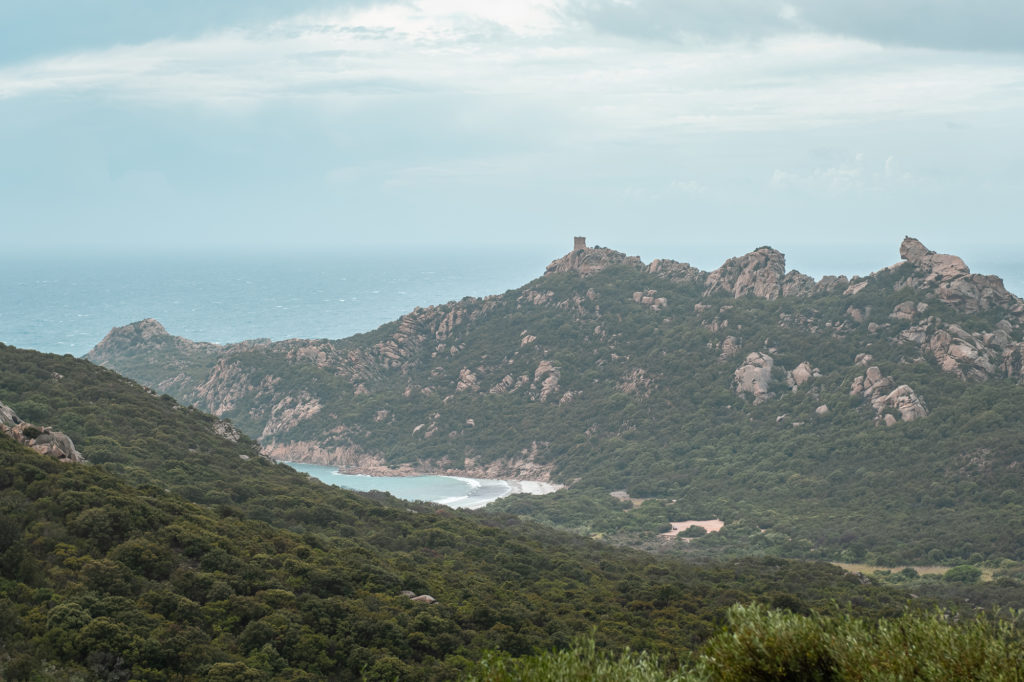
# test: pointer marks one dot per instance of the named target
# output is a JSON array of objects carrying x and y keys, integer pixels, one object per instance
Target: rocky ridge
[{"x": 432, "y": 355}]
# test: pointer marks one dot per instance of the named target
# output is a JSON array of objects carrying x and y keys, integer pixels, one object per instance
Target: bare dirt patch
[
  {"x": 711, "y": 526},
  {"x": 624, "y": 496}
]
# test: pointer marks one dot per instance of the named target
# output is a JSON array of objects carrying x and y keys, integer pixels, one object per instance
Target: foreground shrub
[
  {"x": 580, "y": 662},
  {"x": 771, "y": 645},
  {"x": 761, "y": 644}
]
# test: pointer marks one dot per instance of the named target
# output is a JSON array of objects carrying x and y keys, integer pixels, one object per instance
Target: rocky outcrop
[
  {"x": 801, "y": 374},
  {"x": 952, "y": 282},
  {"x": 636, "y": 382},
  {"x": 754, "y": 377},
  {"x": 676, "y": 272},
  {"x": 887, "y": 398},
  {"x": 467, "y": 381},
  {"x": 587, "y": 261},
  {"x": 730, "y": 346},
  {"x": 439, "y": 358},
  {"x": 227, "y": 431},
  {"x": 957, "y": 352},
  {"x": 939, "y": 265},
  {"x": 759, "y": 273},
  {"x": 288, "y": 412},
  {"x": 966, "y": 355},
  {"x": 43, "y": 440},
  {"x": 546, "y": 376},
  {"x": 762, "y": 273},
  {"x": 8, "y": 417},
  {"x": 650, "y": 298},
  {"x": 126, "y": 341},
  {"x": 797, "y": 284}
]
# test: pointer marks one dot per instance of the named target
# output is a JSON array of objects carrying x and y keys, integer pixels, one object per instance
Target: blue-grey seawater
[{"x": 67, "y": 304}]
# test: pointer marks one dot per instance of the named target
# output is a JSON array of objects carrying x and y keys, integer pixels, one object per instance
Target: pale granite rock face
[
  {"x": 754, "y": 376},
  {"x": 906, "y": 402},
  {"x": 676, "y": 272},
  {"x": 952, "y": 280},
  {"x": 467, "y": 381},
  {"x": 730, "y": 347},
  {"x": 587, "y": 261},
  {"x": 547, "y": 375},
  {"x": 798, "y": 284},
  {"x": 883, "y": 394},
  {"x": 759, "y": 273},
  {"x": 801, "y": 374},
  {"x": 43, "y": 440},
  {"x": 942, "y": 265},
  {"x": 8, "y": 417}
]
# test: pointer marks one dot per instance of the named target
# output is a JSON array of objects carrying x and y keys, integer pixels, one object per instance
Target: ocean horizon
[{"x": 68, "y": 303}]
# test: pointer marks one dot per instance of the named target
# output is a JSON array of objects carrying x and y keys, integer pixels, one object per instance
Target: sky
[{"x": 687, "y": 129}]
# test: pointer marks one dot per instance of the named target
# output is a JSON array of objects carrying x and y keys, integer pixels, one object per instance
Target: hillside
[
  {"x": 171, "y": 549},
  {"x": 873, "y": 418}
]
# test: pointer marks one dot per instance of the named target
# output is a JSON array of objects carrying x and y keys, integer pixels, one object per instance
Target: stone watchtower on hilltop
[{"x": 579, "y": 243}]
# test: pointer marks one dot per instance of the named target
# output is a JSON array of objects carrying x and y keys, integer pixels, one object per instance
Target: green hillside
[
  {"x": 177, "y": 552},
  {"x": 873, "y": 419}
]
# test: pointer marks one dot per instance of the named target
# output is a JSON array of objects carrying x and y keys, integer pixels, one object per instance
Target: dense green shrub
[{"x": 766, "y": 645}]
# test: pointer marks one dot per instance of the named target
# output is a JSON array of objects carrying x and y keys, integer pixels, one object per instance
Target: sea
[
  {"x": 452, "y": 491},
  {"x": 67, "y": 302}
]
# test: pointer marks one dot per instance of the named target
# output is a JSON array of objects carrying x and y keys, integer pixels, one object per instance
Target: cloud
[
  {"x": 856, "y": 174},
  {"x": 991, "y": 25},
  {"x": 544, "y": 60}
]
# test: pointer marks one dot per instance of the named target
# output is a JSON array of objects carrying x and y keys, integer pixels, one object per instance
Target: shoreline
[
  {"x": 482, "y": 491},
  {"x": 370, "y": 465}
]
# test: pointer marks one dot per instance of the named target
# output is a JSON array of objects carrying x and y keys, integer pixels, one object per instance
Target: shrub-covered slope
[
  {"x": 875, "y": 418},
  {"x": 177, "y": 551}
]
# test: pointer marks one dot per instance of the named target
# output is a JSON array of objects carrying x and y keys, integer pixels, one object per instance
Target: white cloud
[
  {"x": 536, "y": 53},
  {"x": 857, "y": 174}
]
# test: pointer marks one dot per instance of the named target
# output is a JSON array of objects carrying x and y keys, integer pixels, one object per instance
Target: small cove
[{"x": 452, "y": 491}]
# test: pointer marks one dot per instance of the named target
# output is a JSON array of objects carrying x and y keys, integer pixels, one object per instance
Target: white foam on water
[{"x": 479, "y": 492}]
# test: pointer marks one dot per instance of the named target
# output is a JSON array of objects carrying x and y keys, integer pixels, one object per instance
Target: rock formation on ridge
[
  {"x": 43, "y": 440},
  {"x": 569, "y": 344}
]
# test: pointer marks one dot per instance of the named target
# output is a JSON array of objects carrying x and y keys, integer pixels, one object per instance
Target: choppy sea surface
[{"x": 67, "y": 304}]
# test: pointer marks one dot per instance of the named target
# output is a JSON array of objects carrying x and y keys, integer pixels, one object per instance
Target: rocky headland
[{"x": 419, "y": 394}]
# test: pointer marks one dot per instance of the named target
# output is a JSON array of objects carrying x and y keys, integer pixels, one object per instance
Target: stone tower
[{"x": 579, "y": 243}]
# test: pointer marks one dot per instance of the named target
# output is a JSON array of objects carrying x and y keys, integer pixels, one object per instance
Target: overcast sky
[{"x": 658, "y": 127}]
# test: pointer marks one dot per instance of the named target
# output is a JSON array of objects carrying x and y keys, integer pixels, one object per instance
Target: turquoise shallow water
[{"x": 453, "y": 491}]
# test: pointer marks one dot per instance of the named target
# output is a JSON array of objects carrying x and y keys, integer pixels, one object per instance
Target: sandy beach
[
  {"x": 467, "y": 492},
  {"x": 484, "y": 491}
]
